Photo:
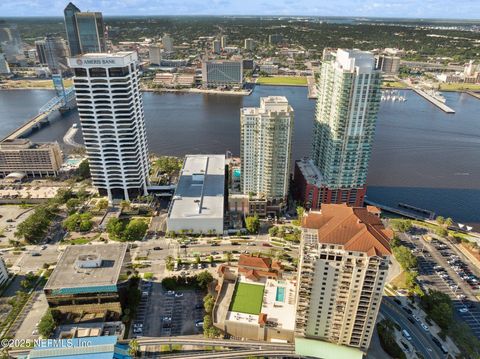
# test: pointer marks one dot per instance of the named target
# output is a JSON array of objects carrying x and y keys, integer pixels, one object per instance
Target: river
[{"x": 422, "y": 156}]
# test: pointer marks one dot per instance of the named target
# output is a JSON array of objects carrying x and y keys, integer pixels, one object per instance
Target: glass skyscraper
[
  {"x": 346, "y": 116},
  {"x": 85, "y": 31}
]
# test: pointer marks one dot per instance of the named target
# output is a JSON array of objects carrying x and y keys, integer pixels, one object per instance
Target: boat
[{"x": 436, "y": 95}]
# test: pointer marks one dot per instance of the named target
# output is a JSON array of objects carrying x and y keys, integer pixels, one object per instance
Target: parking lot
[
  {"x": 443, "y": 270},
  {"x": 10, "y": 217},
  {"x": 176, "y": 312}
]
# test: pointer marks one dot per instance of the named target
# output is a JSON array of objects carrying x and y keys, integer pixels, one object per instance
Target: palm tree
[
  {"x": 133, "y": 347},
  {"x": 228, "y": 257}
]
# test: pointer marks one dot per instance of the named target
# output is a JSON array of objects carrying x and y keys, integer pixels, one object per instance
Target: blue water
[
  {"x": 237, "y": 172},
  {"x": 280, "y": 296},
  {"x": 421, "y": 155}
]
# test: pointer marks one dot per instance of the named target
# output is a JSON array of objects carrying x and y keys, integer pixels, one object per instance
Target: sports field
[
  {"x": 247, "y": 298},
  {"x": 283, "y": 81}
]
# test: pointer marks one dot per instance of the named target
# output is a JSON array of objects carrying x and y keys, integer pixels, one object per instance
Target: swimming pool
[
  {"x": 280, "y": 296},
  {"x": 237, "y": 172}
]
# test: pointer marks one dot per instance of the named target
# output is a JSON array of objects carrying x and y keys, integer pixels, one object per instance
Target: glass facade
[
  {"x": 71, "y": 28},
  {"x": 85, "y": 31}
]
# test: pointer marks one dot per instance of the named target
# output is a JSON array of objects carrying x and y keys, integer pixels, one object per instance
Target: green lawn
[
  {"x": 460, "y": 87},
  {"x": 247, "y": 298},
  {"x": 283, "y": 81}
]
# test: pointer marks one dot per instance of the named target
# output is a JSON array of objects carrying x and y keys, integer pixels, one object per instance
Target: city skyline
[{"x": 415, "y": 9}]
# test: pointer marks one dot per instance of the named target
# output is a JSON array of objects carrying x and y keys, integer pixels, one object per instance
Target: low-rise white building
[{"x": 198, "y": 203}]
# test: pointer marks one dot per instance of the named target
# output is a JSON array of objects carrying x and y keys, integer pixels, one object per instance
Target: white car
[
  {"x": 416, "y": 318},
  {"x": 425, "y": 327},
  {"x": 178, "y": 295},
  {"x": 463, "y": 310}
]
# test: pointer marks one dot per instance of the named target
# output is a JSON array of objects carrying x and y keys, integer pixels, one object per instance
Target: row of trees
[
  {"x": 126, "y": 230},
  {"x": 199, "y": 281},
  {"x": 386, "y": 333},
  {"x": 209, "y": 331}
]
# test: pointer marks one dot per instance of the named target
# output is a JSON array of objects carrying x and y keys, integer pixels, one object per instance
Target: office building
[
  {"x": 344, "y": 260},
  {"x": 389, "y": 65},
  {"x": 255, "y": 300},
  {"x": 87, "y": 281},
  {"x": 32, "y": 159},
  {"x": 41, "y": 52},
  {"x": 198, "y": 204},
  {"x": 56, "y": 54},
  {"x": 265, "y": 148},
  {"x": 216, "y": 47},
  {"x": 110, "y": 107},
  {"x": 275, "y": 39},
  {"x": 167, "y": 42},
  {"x": 101, "y": 347},
  {"x": 85, "y": 31},
  {"x": 223, "y": 41},
  {"x": 3, "y": 272},
  {"x": 222, "y": 73},
  {"x": 344, "y": 129},
  {"x": 155, "y": 54},
  {"x": 249, "y": 44},
  {"x": 4, "y": 68}
]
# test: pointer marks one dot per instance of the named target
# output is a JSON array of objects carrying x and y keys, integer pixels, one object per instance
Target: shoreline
[{"x": 200, "y": 91}]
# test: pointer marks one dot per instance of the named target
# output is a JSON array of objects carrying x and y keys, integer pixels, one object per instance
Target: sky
[{"x": 452, "y": 9}]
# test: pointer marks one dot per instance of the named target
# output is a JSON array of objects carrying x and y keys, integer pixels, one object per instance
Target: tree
[
  {"x": 405, "y": 257},
  {"x": 72, "y": 204},
  {"x": 441, "y": 232},
  {"x": 252, "y": 223},
  {"x": 114, "y": 228},
  {"x": 228, "y": 257},
  {"x": 402, "y": 225},
  {"x": 207, "y": 321},
  {"x": 135, "y": 230},
  {"x": 46, "y": 324},
  {"x": 84, "y": 169},
  {"x": 133, "y": 347},
  {"x": 208, "y": 303},
  {"x": 204, "y": 279},
  {"x": 78, "y": 222},
  {"x": 125, "y": 205},
  {"x": 169, "y": 262},
  {"x": 273, "y": 231},
  {"x": 102, "y": 204},
  {"x": 448, "y": 222},
  {"x": 440, "y": 220},
  {"x": 197, "y": 259},
  {"x": 300, "y": 212},
  {"x": 439, "y": 307},
  {"x": 211, "y": 259}
]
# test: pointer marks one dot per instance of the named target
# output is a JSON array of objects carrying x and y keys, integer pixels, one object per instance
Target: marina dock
[
  {"x": 433, "y": 100},
  {"x": 474, "y": 94}
]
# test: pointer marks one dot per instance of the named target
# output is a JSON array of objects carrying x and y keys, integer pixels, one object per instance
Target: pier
[
  {"x": 62, "y": 103},
  {"x": 312, "y": 88},
  {"x": 474, "y": 94},
  {"x": 433, "y": 100},
  {"x": 422, "y": 216}
]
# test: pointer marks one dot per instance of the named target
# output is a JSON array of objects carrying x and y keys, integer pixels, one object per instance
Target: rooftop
[
  {"x": 68, "y": 275},
  {"x": 104, "y": 347},
  {"x": 356, "y": 229},
  {"x": 200, "y": 189},
  {"x": 268, "y": 105},
  {"x": 310, "y": 172}
]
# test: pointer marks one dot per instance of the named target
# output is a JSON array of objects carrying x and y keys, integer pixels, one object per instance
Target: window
[
  {"x": 81, "y": 72},
  {"x": 98, "y": 72}
]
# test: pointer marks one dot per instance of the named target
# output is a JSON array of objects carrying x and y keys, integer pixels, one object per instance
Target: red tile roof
[
  {"x": 256, "y": 262},
  {"x": 354, "y": 228}
]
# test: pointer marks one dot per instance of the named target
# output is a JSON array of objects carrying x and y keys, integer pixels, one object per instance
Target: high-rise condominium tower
[
  {"x": 85, "y": 31},
  {"x": 344, "y": 259},
  {"x": 266, "y": 141},
  {"x": 167, "y": 42},
  {"x": 346, "y": 115},
  {"x": 110, "y": 107}
]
